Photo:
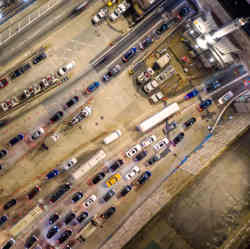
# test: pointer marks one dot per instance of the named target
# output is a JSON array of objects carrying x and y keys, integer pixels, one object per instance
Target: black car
[
  {"x": 184, "y": 11},
  {"x": 162, "y": 29},
  {"x": 64, "y": 236},
  {"x": 16, "y": 139},
  {"x": 126, "y": 190},
  {"x": 71, "y": 102},
  {"x": 140, "y": 155},
  {"x": 9, "y": 244},
  {"x": 21, "y": 70},
  {"x": 178, "y": 138},
  {"x": 33, "y": 192},
  {"x": 9, "y": 204},
  {"x": 60, "y": 192},
  {"x": 144, "y": 177},
  {"x": 145, "y": 43},
  {"x": 39, "y": 58},
  {"x": 77, "y": 196},
  {"x": 108, "y": 213},
  {"x": 117, "y": 164},
  {"x": 56, "y": 117},
  {"x": 53, "y": 230},
  {"x": 98, "y": 178},
  {"x": 30, "y": 241},
  {"x": 189, "y": 122},
  {"x": 109, "y": 195},
  {"x": 53, "y": 218},
  {"x": 3, "y": 219},
  {"x": 153, "y": 159},
  {"x": 3, "y": 153},
  {"x": 69, "y": 217},
  {"x": 82, "y": 217}
]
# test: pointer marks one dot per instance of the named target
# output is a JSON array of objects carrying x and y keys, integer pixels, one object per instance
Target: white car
[
  {"x": 149, "y": 140},
  {"x": 155, "y": 98},
  {"x": 150, "y": 86},
  {"x": 96, "y": 19},
  {"x": 161, "y": 144},
  {"x": 37, "y": 133},
  {"x": 113, "y": 16},
  {"x": 227, "y": 96},
  {"x": 69, "y": 164},
  {"x": 134, "y": 150},
  {"x": 65, "y": 69},
  {"x": 4, "y": 107},
  {"x": 90, "y": 201},
  {"x": 134, "y": 171},
  {"x": 14, "y": 101}
]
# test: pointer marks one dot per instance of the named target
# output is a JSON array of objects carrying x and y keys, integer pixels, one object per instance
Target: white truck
[
  {"x": 112, "y": 137},
  {"x": 162, "y": 61}
]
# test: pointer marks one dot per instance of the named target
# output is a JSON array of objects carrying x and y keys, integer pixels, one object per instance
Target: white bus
[
  {"x": 80, "y": 172},
  {"x": 158, "y": 117}
]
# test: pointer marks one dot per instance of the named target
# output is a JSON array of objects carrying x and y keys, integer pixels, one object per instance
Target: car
[
  {"x": 56, "y": 117},
  {"x": 147, "y": 141},
  {"x": 66, "y": 68},
  {"x": 53, "y": 218},
  {"x": 9, "y": 244},
  {"x": 44, "y": 84},
  {"x": 132, "y": 173},
  {"x": 16, "y": 139},
  {"x": 9, "y": 204},
  {"x": 98, "y": 177},
  {"x": 30, "y": 241},
  {"x": 83, "y": 216},
  {"x": 3, "y": 219},
  {"x": 191, "y": 94},
  {"x": 156, "y": 97},
  {"x": 189, "y": 122},
  {"x": 3, "y": 83},
  {"x": 69, "y": 217},
  {"x": 204, "y": 105},
  {"x": 37, "y": 133},
  {"x": 153, "y": 159},
  {"x": 184, "y": 12},
  {"x": 108, "y": 213},
  {"x": 161, "y": 144},
  {"x": 39, "y": 58},
  {"x": 115, "y": 165},
  {"x": 141, "y": 155},
  {"x": 150, "y": 86},
  {"x": 92, "y": 87},
  {"x": 71, "y": 102},
  {"x": 178, "y": 138},
  {"x": 77, "y": 196},
  {"x": 125, "y": 190},
  {"x": 128, "y": 55},
  {"x": 89, "y": 201},
  {"x": 134, "y": 150},
  {"x": 108, "y": 195},
  {"x": 52, "y": 173},
  {"x": 113, "y": 179},
  {"x": 145, "y": 43},
  {"x": 114, "y": 16},
  {"x": 52, "y": 231},
  {"x": 33, "y": 192},
  {"x": 112, "y": 72},
  {"x": 96, "y": 19},
  {"x": 170, "y": 127},
  {"x": 60, "y": 192},
  {"x": 64, "y": 236},
  {"x": 227, "y": 96},
  {"x": 79, "y": 9},
  {"x": 3, "y": 153},
  {"x": 69, "y": 164},
  {"x": 163, "y": 28},
  {"x": 212, "y": 86},
  {"x": 19, "y": 71},
  {"x": 144, "y": 177}
]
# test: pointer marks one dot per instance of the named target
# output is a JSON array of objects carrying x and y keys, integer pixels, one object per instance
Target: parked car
[
  {"x": 30, "y": 241},
  {"x": 64, "y": 236},
  {"x": 9, "y": 244},
  {"x": 155, "y": 98},
  {"x": 3, "y": 83},
  {"x": 163, "y": 28},
  {"x": 184, "y": 12},
  {"x": 191, "y": 94},
  {"x": 69, "y": 217},
  {"x": 90, "y": 201},
  {"x": 98, "y": 18},
  {"x": 71, "y": 102},
  {"x": 66, "y": 68},
  {"x": 83, "y": 216},
  {"x": 112, "y": 72},
  {"x": 140, "y": 156},
  {"x": 52, "y": 173},
  {"x": 178, "y": 138},
  {"x": 144, "y": 177},
  {"x": 3, "y": 153},
  {"x": 19, "y": 71},
  {"x": 227, "y": 96},
  {"x": 16, "y": 139},
  {"x": 108, "y": 195},
  {"x": 108, "y": 213},
  {"x": 79, "y": 9},
  {"x": 37, "y": 133},
  {"x": 53, "y": 218},
  {"x": 204, "y": 104},
  {"x": 33, "y": 192},
  {"x": 128, "y": 55},
  {"x": 113, "y": 179},
  {"x": 125, "y": 190},
  {"x": 98, "y": 178},
  {"x": 153, "y": 159},
  {"x": 172, "y": 126},
  {"x": 132, "y": 173},
  {"x": 69, "y": 163},
  {"x": 56, "y": 117},
  {"x": 212, "y": 86},
  {"x": 145, "y": 43},
  {"x": 189, "y": 122},
  {"x": 115, "y": 165},
  {"x": 150, "y": 86},
  {"x": 60, "y": 192},
  {"x": 147, "y": 141},
  {"x": 161, "y": 144},
  {"x": 113, "y": 16},
  {"x": 3, "y": 219},
  {"x": 134, "y": 150},
  {"x": 52, "y": 231},
  {"x": 77, "y": 196},
  {"x": 92, "y": 87},
  {"x": 39, "y": 58}
]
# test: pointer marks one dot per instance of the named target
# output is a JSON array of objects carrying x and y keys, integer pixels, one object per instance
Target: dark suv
[
  {"x": 108, "y": 213},
  {"x": 30, "y": 241},
  {"x": 33, "y": 192},
  {"x": 16, "y": 139},
  {"x": 64, "y": 236},
  {"x": 98, "y": 178},
  {"x": 9, "y": 204},
  {"x": 144, "y": 177},
  {"x": 60, "y": 192},
  {"x": 82, "y": 216},
  {"x": 69, "y": 217},
  {"x": 56, "y": 117},
  {"x": 109, "y": 195},
  {"x": 117, "y": 164},
  {"x": 19, "y": 71}
]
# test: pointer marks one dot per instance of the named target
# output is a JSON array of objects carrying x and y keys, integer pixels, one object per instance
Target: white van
[{"x": 112, "y": 137}]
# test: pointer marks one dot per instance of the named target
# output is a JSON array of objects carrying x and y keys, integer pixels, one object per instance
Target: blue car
[
  {"x": 212, "y": 86},
  {"x": 16, "y": 139},
  {"x": 128, "y": 55},
  {"x": 144, "y": 177},
  {"x": 3, "y": 219},
  {"x": 204, "y": 104},
  {"x": 91, "y": 88},
  {"x": 52, "y": 173},
  {"x": 191, "y": 94}
]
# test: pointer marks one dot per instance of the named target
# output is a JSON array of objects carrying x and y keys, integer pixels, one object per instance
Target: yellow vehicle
[{"x": 113, "y": 179}]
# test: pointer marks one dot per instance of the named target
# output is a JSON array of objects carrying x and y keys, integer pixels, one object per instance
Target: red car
[{"x": 3, "y": 83}]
